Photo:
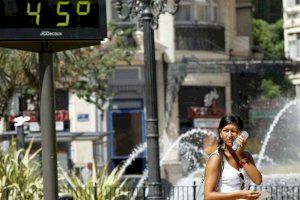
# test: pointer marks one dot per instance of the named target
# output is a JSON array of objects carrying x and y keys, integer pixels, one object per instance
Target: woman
[{"x": 226, "y": 169}]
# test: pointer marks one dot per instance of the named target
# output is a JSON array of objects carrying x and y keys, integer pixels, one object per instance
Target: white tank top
[{"x": 230, "y": 179}]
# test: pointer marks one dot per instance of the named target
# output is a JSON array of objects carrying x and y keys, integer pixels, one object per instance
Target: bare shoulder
[{"x": 214, "y": 161}]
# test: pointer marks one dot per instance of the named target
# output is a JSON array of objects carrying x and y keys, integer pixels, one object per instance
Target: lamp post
[{"x": 147, "y": 13}]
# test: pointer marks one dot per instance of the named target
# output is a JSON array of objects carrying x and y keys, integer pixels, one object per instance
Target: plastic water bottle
[{"x": 235, "y": 145}]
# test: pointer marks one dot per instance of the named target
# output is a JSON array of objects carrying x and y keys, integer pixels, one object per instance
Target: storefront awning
[{"x": 60, "y": 136}]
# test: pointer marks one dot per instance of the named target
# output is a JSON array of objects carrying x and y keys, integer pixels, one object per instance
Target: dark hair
[{"x": 229, "y": 119}]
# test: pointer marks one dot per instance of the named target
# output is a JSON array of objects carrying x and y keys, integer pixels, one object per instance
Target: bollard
[
  {"x": 95, "y": 191},
  {"x": 6, "y": 193},
  {"x": 194, "y": 190}
]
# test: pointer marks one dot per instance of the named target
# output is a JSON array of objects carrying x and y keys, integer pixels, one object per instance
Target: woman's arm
[
  {"x": 246, "y": 159},
  {"x": 250, "y": 167},
  {"x": 212, "y": 173}
]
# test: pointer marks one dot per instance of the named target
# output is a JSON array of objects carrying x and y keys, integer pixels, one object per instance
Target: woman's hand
[
  {"x": 249, "y": 194},
  {"x": 242, "y": 144}
]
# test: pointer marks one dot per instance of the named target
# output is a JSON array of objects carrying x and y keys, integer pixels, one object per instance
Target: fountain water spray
[
  {"x": 135, "y": 153},
  {"x": 182, "y": 136},
  {"x": 140, "y": 184},
  {"x": 274, "y": 123},
  {"x": 185, "y": 135}
]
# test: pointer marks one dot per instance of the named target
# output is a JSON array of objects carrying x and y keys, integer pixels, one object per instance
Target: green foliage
[
  {"x": 11, "y": 76},
  {"x": 20, "y": 174},
  {"x": 83, "y": 71},
  {"x": 109, "y": 186},
  {"x": 21, "y": 177},
  {"x": 270, "y": 90},
  {"x": 269, "y": 37},
  {"x": 86, "y": 71}
]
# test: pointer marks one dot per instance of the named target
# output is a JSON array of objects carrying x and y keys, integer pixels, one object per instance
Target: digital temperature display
[{"x": 52, "y": 19}]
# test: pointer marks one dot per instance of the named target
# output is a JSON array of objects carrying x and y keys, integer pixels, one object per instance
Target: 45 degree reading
[{"x": 82, "y": 9}]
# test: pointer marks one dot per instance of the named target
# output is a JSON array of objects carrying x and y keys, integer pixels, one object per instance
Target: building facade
[
  {"x": 198, "y": 88},
  {"x": 291, "y": 26},
  {"x": 193, "y": 87}
]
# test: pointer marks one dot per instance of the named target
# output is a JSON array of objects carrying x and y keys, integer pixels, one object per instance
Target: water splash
[
  {"x": 140, "y": 184},
  {"x": 188, "y": 180},
  {"x": 291, "y": 179},
  {"x": 134, "y": 154},
  {"x": 265, "y": 158},
  {"x": 274, "y": 123},
  {"x": 182, "y": 136}
]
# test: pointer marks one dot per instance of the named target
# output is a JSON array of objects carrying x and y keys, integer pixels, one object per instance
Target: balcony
[{"x": 195, "y": 37}]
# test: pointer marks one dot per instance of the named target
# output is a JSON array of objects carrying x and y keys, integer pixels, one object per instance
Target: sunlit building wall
[{"x": 291, "y": 25}]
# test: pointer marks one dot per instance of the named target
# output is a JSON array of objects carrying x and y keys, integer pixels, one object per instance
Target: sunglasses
[{"x": 243, "y": 183}]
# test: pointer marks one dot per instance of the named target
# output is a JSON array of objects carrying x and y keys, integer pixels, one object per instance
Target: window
[
  {"x": 215, "y": 11},
  {"x": 298, "y": 46},
  {"x": 200, "y": 11},
  {"x": 292, "y": 50},
  {"x": 127, "y": 74},
  {"x": 184, "y": 13}
]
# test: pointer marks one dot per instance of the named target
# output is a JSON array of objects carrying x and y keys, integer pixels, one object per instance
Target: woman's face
[{"x": 229, "y": 133}]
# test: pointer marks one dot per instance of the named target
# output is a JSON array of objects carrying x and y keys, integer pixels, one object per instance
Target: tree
[
  {"x": 83, "y": 71},
  {"x": 270, "y": 90},
  {"x": 92, "y": 66},
  {"x": 13, "y": 80},
  {"x": 269, "y": 38}
]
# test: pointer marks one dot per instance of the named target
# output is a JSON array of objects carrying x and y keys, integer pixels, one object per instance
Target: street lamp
[{"x": 147, "y": 13}]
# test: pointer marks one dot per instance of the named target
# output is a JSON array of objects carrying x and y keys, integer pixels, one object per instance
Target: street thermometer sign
[
  {"x": 47, "y": 26},
  {"x": 71, "y": 21}
]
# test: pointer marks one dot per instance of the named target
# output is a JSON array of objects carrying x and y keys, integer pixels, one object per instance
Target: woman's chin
[{"x": 229, "y": 144}]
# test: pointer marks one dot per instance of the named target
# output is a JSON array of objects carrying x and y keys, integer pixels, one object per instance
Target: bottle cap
[{"x": 244, "y": 134}]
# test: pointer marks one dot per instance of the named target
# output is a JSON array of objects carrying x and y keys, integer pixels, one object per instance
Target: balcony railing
[{"x": 208, "y": 37}]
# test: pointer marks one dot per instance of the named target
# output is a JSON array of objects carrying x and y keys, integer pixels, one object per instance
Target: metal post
[
  {"x": 47, "y": 120},
  {"x": 20, "y": 137},
  {"x": 194, "y": 190},
  {"x": 6, "y": 193},
  {"x": 154, "y": 180},
  {"x": 95, "y": 191}
]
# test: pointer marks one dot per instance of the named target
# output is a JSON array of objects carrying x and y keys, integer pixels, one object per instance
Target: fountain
[
  {"x": 134, "y": 154},
  {"x": 276, "y": 172},
  {"x": 271, "y": 129},
  {"x": 191, "y": 153},
  {"x": 279, "y": 156},
  {"x": 197, "y": 131}
]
